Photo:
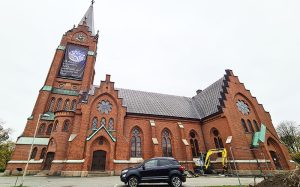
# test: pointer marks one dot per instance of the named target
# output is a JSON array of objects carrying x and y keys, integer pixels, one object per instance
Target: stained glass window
[
  {"x": 67, "y": 103},
  {"x": 243, "y": 107},
  {"x": 49, "y": 129},
  {"x": 51, "y": 104},
  {"x": 256, "y": 125},
  {"x": 136, "y": 143},
  {"x": 66, "y": 126},
  {"x": 43, "y": 153},
  {"x": 42, "y": 128},
  {"x": 104, "y": 107},
  {"x": 58, "y": 106},
  {"x": 110, "y": 124},
  {"x": 166, "y": 143},
  {"x": 250, "y": 125},
  {"x": 194, "y": 144},
  {"x": 33, "y": 153},
  {"x": 74, "y": 105},
  {"x": 55, "y": 125},
  {"x": 103, "y": 122},
  {"x": 94, "y": 123},
  {"x": 244, "y": 125}
]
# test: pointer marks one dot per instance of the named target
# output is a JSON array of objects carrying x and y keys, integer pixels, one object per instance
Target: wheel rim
[
  {"x": 133, "y": 182},
  {"x": 176, "y": 181}
]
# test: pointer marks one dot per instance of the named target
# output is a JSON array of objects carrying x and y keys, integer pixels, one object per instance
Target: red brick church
[{"x": 81, "y": 127}]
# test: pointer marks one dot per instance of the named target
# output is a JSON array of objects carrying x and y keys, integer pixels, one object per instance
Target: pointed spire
[{"x": 88, "y": 18}]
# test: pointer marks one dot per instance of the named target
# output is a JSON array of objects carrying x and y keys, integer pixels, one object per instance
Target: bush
[{"x": 296, "y": 157}]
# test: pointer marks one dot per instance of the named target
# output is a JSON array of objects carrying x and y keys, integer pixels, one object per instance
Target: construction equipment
[{"x": 215, "y": 151}]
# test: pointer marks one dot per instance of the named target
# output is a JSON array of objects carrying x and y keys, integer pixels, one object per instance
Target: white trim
[
  {"x": 28, "y": 141},
  {"x": 25, "y": 161},
  {"x": 68, "y": 161},
  {"x": 130, "y": 161},
  {"x": 292, "y": 161}
]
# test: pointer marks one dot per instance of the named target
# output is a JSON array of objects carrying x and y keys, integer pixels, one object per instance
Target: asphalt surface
[{"x": 114, "y": 181}]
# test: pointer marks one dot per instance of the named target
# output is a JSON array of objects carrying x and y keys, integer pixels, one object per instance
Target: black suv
[{"x": 155, "y": 170}]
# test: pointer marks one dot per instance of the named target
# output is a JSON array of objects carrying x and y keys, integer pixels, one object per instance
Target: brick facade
[{"x": 74, "y": 141}]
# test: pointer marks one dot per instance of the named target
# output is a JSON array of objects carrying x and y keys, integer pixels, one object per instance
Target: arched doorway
[
  {"x": 275, "y": 160},
  {"x": 48, "y": 160},
  {"x": 99, "y": 160},
  {"x": 276, "y": 154}
]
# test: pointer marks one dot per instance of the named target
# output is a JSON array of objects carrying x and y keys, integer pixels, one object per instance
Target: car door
[
  {"x": 164, "y": 166},
  {"x": 148, "y": 171}
]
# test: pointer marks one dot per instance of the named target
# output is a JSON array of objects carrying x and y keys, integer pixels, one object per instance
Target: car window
[
  {"x": 164, "y": 162},
  {"x": 174, "y": 162},
  {"x": 151, "y": 163}
]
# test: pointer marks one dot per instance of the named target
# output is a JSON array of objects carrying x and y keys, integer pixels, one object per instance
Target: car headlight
[
  {"x": 124, "y": 175},
  {"x": 124, "y": 171}
]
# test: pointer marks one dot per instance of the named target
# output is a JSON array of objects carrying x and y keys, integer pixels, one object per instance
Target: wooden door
[
  {"x": 275, "y": 160},
  {"x": 99, "y": 159},
  {"x": 48, "y": 161}
]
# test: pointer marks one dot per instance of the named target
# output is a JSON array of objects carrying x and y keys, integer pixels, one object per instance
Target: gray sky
[{"x": 165, "y": 46}]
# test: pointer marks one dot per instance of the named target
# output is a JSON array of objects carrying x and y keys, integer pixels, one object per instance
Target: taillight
[{"x": 181, "y": 168}]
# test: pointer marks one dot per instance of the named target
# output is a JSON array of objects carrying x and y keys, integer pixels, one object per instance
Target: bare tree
[{"x": 289, "y": 133}]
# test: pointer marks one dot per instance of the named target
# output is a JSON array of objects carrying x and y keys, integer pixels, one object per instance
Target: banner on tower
[{"x": 73, "y": 64}]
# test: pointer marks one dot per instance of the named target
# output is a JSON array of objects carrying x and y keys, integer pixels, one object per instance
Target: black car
[{"x": 155, "y": 170}]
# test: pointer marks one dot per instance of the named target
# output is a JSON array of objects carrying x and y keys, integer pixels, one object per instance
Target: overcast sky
[{"x": 166, "y": 46}]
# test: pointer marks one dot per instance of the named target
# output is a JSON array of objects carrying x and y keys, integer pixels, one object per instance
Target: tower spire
[{"x": 88, "y": 18}]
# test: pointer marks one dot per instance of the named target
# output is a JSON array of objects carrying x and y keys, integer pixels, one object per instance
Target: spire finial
[{"x": 92, "y": 2}]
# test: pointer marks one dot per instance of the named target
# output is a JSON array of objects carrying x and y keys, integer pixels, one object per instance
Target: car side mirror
[{"x": 143, "y": 167}]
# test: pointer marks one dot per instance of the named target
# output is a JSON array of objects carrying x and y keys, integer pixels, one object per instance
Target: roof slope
[{"x": 140, "y": 102}]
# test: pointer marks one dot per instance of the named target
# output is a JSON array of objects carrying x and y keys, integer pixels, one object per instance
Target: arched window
[
  {"x": 111, "y": 124},
  {"x": 136, "y": 143},
  {"x": 256, "y": 125},
  {"x": 55, "y": 125},
  {"x": 58, "y": 106},
  {"x": 74, "y": 105},
  {"x": 194, "y": 144},
  {"x": 166, "y": 143},
  {"x": 66, "y": 126},
  {"x": 42, "y": 128},
  {"x": 244, "y": 125},
  {"x": 67, "y": 103},
  {"x": 103, "y": 122},
  {"x": 217, "y": 139},
  {"x": 43, "y": 153},
  {"x": 49, "y": 129},
  {"x": 250, "y": 125},
  {"x": 33, "y": 153},
  {"x": 51, "y": 105},
  {"x": 94, "y": 123}
]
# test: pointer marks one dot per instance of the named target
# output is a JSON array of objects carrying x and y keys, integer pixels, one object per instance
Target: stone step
[{"x": 98, "y": 174}]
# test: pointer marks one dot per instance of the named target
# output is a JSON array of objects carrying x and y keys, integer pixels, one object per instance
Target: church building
[{"x": 79, "y": 128}]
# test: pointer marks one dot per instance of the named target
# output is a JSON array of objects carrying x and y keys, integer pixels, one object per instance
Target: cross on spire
[{"x": 92, "y": 2}]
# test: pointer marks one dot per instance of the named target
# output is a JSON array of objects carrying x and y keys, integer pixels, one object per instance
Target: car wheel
[
  {"x": 133, "y": 181},
  {"x": 175, "y": 181}
]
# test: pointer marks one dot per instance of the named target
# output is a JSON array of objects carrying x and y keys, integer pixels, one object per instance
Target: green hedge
[{"x": 296, "y": 157}]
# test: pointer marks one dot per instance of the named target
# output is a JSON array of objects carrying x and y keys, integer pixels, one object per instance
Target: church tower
[{"x": 66, "y": 86}]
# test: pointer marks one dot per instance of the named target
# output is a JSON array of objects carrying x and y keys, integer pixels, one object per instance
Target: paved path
[{"x": 113, "y": 181}]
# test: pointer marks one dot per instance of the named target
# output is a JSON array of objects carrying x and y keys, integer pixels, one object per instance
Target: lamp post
[{"x": 29, "y": 155}]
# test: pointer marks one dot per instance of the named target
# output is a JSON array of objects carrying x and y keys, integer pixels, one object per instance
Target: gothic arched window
[
  {"x": 49, "y": 129},
  {"x": 55, "y": 125},
  {"x": 194, "y": 144},
  {"x": 250, "y": 125},
  {"x": 33, "y": 153},
  {"x": 42, "y": 128},
  {"x": 136, "y": 143},
  {"x": 66, "y": 126},
  {"x": 166, "y": 143},
  {"x": 43, "y": 153},
  {"x": 256, "y": 125},
  {"x": 111, "y": 124},
  {"x": 58, "y": 106},
  {"x": 217, "y": 139},
  {"x": 67, "y": 103},
  {"x": 73, "y": 105},
  {"x": 244, "y": 125},
  {"x": 51, "y": 105},
  {"x": 103, "y": 122},
  {"x": 94, "y": 123}
]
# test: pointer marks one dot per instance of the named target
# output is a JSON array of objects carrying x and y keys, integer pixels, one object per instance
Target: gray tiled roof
[
  {"x": 207, "y": 102},
  {"x": 141, "y": 102},
  {"x": 200, "y": 106}
]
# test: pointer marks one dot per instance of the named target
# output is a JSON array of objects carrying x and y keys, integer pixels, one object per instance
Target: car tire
[
  {"x": 133, "y": 181},
  {"x": 175, "y": 181}
]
